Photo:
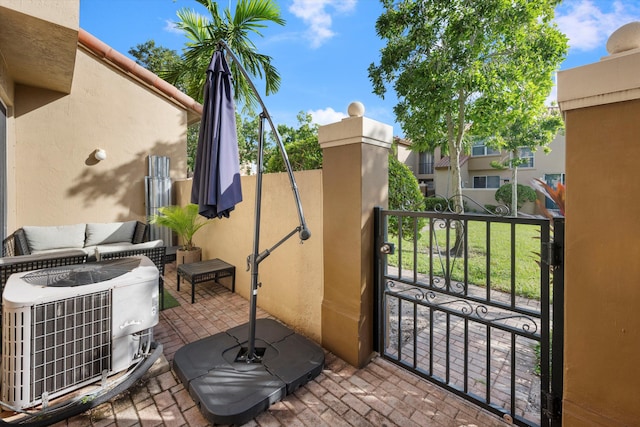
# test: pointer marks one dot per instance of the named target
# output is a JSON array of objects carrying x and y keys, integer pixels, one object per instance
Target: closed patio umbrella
[
  {"x": 230, "y": 378},
  {"x": 216, "y": 179}
]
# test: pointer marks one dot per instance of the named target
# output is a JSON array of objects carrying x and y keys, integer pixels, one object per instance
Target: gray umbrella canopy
[{"x": 216, "y": 177}]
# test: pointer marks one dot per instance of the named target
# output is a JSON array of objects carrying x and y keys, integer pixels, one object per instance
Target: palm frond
[{"x": 204, "y": 33}]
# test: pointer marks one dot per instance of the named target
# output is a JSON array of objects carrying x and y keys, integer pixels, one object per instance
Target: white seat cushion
[{"x": 102, "y": 249}]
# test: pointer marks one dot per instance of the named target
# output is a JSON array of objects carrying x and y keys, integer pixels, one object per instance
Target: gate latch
[
  {"x": 554, "y": 254},
  {"x": 387, "y": 249},
  {"x": 552, "y": 405}
]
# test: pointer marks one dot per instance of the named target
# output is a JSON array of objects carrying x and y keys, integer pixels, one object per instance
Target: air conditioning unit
[{"x": 66, "y": 327}]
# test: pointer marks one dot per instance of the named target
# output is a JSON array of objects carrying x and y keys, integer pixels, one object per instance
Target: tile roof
[
  {"x": 130, "y": 67},
  {"x": 445, "y": 162}
]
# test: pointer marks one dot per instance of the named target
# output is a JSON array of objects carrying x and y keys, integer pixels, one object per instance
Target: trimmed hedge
[{"x": 525, "y": 194}]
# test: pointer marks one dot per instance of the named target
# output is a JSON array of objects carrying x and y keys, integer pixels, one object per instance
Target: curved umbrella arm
[{"x": 303, "y": 230}]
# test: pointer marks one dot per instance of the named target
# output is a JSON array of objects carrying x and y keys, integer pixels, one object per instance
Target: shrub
[
  {"x": 436, "y": 204},
  {"x": 491, "y": 208},
  {"x": 404, "y": 194},
  {"x": 525, "y": 194}
]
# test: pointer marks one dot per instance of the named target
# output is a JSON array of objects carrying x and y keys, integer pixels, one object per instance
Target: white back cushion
[
  {"x": 54, "y": 237},
  {"x": 112, "y": 232}
]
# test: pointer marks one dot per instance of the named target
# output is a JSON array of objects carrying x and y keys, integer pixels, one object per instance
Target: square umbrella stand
[{"x": 229, "y": 391}]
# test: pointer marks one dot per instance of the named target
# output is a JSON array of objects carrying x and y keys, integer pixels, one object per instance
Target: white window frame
[
  {"x": 531, "y": 156},
  {"x": 486, "y": 151},
  {"x": 426, "y": 161}
]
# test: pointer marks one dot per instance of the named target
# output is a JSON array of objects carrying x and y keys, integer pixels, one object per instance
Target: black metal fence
[{"x": 474, "y": 303}]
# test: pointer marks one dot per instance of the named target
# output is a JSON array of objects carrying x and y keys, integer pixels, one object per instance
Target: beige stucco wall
[
  {"x": 6, "y": 83},
  {"x": 56, "y": 135},
  {"x": 444, "y": 186},
  {"x": 408, "y": 157},
  {"x": 602, "y": 345},
  {"x": 65, "y": 13},
  {"x": 551, "y": 163},
  {"x": 601, "y": 106},
  {"x": 292, "y": 276}
]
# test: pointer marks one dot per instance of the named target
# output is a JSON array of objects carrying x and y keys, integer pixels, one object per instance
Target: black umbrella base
[{"x": 230, "y": 390}]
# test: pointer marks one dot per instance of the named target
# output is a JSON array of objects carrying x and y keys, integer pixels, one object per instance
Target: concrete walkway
[{"x": 380, "y": 394}]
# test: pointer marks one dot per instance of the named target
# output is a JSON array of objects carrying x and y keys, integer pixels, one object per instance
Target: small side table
[{"x": 204, "y": 271}]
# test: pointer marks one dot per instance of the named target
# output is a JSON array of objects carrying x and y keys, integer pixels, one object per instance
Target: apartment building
[{"x": 480, "y": 179}]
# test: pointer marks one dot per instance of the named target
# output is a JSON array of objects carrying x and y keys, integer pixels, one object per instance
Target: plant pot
[{"x": 187, "y": 257}]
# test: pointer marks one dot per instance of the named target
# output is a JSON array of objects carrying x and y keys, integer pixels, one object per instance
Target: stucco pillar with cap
[
  {"x": 600, "y": 103},
  {"x": 355, "y": 180}
]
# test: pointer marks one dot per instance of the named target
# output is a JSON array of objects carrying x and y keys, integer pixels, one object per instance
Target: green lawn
[{"x": 527, "y": 245}]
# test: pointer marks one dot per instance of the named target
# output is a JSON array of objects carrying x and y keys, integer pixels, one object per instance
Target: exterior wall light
[{"x": 100, "y": 154}]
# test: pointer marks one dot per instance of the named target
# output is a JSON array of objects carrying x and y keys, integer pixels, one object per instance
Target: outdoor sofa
[{"x": 91, "y": 238}]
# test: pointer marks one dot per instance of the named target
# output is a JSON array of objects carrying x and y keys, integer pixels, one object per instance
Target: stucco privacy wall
[
  {"x": 601, "y": 106},
  {"x": 324, "y": 287},
  {"x": 292, "y": 276},
  {"x": 56, "y": 136}
]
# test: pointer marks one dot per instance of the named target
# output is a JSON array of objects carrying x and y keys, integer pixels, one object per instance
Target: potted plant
[{"x": 184, "y": 221}]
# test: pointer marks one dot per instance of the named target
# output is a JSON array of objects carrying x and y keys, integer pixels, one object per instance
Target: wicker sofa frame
[{"x": 17, "y": 244}]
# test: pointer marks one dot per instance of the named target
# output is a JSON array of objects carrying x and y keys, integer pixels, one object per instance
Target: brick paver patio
[{"x": 380, "y": 394}]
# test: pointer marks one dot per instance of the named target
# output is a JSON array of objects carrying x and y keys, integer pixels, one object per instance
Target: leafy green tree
[
  {"x": 192, "y": 146},
  {"x": 204, "y": 33},
  {"x": 303, "y": 149},
  {"x": 531, "y": 127},
  {"x": 156, "y": 59},
  {"x": 458, "y": 64}
]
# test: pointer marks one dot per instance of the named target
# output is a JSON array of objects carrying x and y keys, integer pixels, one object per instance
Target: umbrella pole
[
  {"x": 256, "y": 257},
  {"x": 251, "y": 355}
]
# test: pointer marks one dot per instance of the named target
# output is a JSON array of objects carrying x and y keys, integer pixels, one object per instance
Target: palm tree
[{"x": 204, "y": 34}]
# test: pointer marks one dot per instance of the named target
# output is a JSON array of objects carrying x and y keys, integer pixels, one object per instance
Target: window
[
  {"x": 425, "y": 163},
  {"x": 552, "y": 179},
  {"x": 526, "y": 157},
  {"x": 492, "y": 181},
  {"x": 482, "y": 150}
]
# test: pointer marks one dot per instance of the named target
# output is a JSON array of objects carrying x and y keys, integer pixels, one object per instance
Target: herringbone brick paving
[{"x": 380, "y": 394}]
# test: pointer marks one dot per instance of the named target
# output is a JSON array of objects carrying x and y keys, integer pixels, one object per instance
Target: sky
[{"x": 326, "y": 46}]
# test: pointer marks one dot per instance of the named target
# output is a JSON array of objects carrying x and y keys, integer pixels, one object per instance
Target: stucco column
[
  {"x": 601, "y": 107},
  {"x": 355, "y": 180}
]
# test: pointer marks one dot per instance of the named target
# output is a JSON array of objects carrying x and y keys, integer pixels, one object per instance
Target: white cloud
[
  {"x": 171, "y": 27},
  {"x": 586, "y": 24},
  {"x": 326, "y": 116},
  {"x": 553, "y": 96},
  {"x": 315, "y": 15}
]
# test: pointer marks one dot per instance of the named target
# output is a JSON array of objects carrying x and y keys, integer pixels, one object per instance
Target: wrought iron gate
[{"x": 474, "y": 303}]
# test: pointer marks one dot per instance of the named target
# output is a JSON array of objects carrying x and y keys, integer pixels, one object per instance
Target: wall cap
[
  {"x": 356, "y": 130},
  {"x": 615, "y": 78}
]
